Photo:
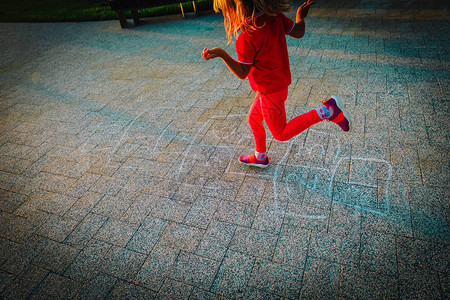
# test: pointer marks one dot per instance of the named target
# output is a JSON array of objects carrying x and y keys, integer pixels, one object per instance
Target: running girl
[{"x": 263, "y": 57}]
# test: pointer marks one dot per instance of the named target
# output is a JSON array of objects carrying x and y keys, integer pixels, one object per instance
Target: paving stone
[
  {"x": 195, "y": 270},
  {"x": 148, "y": 234},
  {"x": 216, "y": 240},
  {"x": 140, "y": 208},
  {"x": 5, "y": 280},
  {"x": 108, "y": 185},
  {"x": 116, "y": 232},
  {"x": 57, "y": 228},
  {"x": 58, "y": 184},
  {"x": 222, "y": 189},
  {"x": 393, "y": 218},
  {"x": 61, "y": 166},
  {"x": 6, "y": 245},
  {"x": 378, "y": 253},
  {"x": 162, "y": 187},
  {"x": 85, "y": 230},
  {"x": 83, "y": 185},
  {"x": 188, "y": 191},
  {"x": 238, "y": 214},
  {"x": 56, "y": 257},
  {"x": 428, "y": 217},
  {"x": 84, "y": 205},
  {"x": 14, "y": 228},
  {"x": 402, "y": 162},
  {"x": 343, "y": 250},
  {"x": 15, "y": 183},
  {"x": 202, "y": 212},
  {"x": 112, "y": 206},
  {"x": 55, "y": 285},
  {"x": 321, "y": 279},
  {"x": 87, "y": 261},
  {"x": 24, "y": 284},
  {"x": 233, "y": 274},
  {"x": 15, "y": 150},
  {"x": 251, "y": 191},
  {"x": 370, "y": 285},
  {"x": 253, "y": 242},
  {"x": 157, "y": 267},
  {"x": 58, "y": 204},
  {"x": 270, "y": 216},
  {"x": 254, "y": 293},
  {"x": 170, "y": 209},
  {"x": 420, "y": 256},
  {"x": 279, "y": 279},
  {"x": 181, "y": 237},
  {"x": 122, "y": 263},
  {"x": 11, "y": 201},
  {"x": 345, "y": 220},
  {"x": 292, "y": 246},
  {"x": 126, "y": 290},
  {"x": 19, "y": 260},
  {"x": 99, "y": 286},
  {"x": 410, "y": 286},
  {"x": 175, "y": 290},
  {"x": 199, "y": 294}
]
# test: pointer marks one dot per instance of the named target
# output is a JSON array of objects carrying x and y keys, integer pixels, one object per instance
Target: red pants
[{"x": 270, "y": 108}]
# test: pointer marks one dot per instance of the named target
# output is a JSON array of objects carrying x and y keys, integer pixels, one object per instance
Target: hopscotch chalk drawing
[
  {"x": 311, "y": 160},
  {"x": 357, "y": 191},
  {"x": 371, "y": 191}
]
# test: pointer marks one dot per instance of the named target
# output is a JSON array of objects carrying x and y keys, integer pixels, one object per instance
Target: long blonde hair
[{"x": 236, "y": 13}]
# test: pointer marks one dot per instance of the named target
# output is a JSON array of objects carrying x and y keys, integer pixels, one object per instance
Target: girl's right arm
[
  {"x": 299, "y": 28},
  {"x": 240, "y": 70}
]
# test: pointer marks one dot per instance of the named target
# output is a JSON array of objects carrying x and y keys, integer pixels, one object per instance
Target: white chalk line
[
  {"x": 376, "y": 160},
  {"x": 275, "y": 176},
  {"x": 231, "y": 152}
]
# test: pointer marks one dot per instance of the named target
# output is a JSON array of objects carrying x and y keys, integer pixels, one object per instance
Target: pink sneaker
[
  {"x": 340, "y": 114},
  {"x": 251, "y": 160}
]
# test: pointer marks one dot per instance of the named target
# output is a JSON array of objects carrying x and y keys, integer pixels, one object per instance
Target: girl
[{"x": 263, "y": 57}]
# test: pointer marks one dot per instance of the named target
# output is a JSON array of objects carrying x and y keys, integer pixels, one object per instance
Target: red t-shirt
[{"x": 266, "y": 50}]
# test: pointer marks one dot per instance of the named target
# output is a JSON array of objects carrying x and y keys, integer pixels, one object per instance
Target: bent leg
[{"x": 275, "y": 116}]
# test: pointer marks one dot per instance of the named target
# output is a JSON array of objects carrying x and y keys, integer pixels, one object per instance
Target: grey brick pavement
[{"x": 118, "y": 172}]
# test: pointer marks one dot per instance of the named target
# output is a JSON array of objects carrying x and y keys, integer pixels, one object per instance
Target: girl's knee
[{"x": 280, "y": 137}]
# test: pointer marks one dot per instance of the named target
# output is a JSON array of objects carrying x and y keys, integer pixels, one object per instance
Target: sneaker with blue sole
[
  {"x": 251, "y": 160},
  {"x": 340, "y": 114}
]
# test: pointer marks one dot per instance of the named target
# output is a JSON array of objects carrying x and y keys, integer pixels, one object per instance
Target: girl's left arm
[{"x": 240, "y": 70}]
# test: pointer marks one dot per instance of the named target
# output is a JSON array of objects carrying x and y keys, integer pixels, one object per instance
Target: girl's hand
[
  {"x": 208, "y": 54},
  {"x": 303, "y": 10},
  {"x": 240, "y": 70}
]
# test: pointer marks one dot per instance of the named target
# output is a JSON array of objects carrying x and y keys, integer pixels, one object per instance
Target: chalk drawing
[
  {"x": 231, "y": 151},
  {"x": 311, "y": 160},
  {"x": 355, "y": 185},
  {"x": 331, "y": 171},
  {"x": 329, "y": 164},
  {"x": 106, "y": 130}
]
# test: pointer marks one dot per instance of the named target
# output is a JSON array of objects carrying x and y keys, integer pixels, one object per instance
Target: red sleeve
[
  {"x": 245, "y": 49},
  {"x": 287, "y": 23}
]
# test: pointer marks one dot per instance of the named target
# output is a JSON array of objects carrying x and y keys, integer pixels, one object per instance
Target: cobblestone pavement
[{"x": 119, "y": 174}]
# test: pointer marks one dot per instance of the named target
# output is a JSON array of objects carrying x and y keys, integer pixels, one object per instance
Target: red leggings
[{"x": 270, "y": 108}]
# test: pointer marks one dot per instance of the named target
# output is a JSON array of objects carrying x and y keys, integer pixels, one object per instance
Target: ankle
[
  {"x": 325, "y": 112},
  {"x": 260, "y": 155}
]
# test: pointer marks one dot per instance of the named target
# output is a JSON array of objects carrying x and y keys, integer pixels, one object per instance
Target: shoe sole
[
  {"x": 341, "y": 106},
  {"x": 254, "y": 165}
]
